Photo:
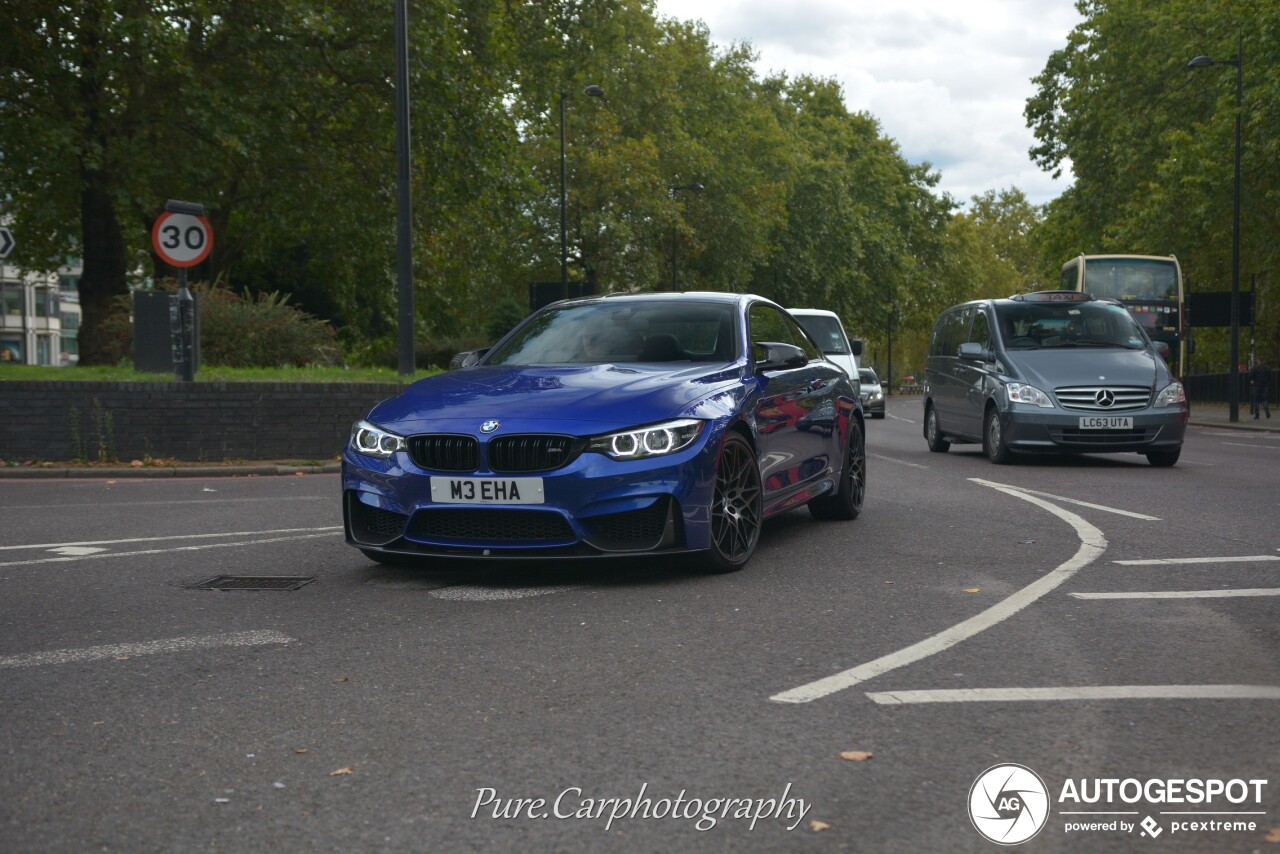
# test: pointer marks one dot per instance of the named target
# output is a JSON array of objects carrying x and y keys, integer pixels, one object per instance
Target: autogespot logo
[{"x": 1008, "y": 804}]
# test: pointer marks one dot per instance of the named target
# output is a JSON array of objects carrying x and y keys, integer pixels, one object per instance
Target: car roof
[
  {"x": 658, "y": 296},
  {"x": 814, "y": 312}
]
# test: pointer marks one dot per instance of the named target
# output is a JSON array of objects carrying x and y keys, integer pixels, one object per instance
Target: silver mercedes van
[{"x": 1050, "y": 372}]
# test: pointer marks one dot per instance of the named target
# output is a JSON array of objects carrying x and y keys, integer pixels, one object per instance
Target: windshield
[
  {"x": 826, "y": 332},
  {"x": 1131, "y": 279},
  {"x": 867, "y": 375},
  {"x": 608, "y": 332},
  {"x": 1030, "y": 325}
]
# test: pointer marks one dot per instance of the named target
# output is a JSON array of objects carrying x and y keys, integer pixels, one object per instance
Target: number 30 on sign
[{"x": 182, "y": 240}]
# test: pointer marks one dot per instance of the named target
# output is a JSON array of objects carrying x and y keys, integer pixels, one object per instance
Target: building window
[
  {"x": 70, "y": 321},
  {"x": 68, "y": 283},
  {"x": 46, "y": 302},
  {"x": 11, "y": 300},
  {"x": 70, "y": 349},
  {"x": 11, "y": 350},
  {"x": 44, "y": 352}
]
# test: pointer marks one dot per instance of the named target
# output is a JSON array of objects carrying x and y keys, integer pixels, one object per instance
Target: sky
[{"x": 947, "y": 79}]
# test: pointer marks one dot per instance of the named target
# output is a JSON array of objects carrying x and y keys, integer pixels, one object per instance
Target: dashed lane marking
[
  {"x": 1174, "y": 561},
  {"x": 896, "y": 460},
  {"x": 1184, "y": 594},
  {"x": 164, "y": 551},
  {"x": 1092, "y": 545},
  {"x": 129, "y": 650},
  {"x": 171, "y": 537},
  {"x": 1093, "y": 692}
]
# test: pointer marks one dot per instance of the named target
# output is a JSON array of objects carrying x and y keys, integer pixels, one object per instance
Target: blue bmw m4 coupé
[{"x": 619, "y": 425}]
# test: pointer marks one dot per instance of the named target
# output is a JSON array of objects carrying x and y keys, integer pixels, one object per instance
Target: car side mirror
[
  {"x": 974, "y": 352},
  {"x": 1162, "y": 348},
  {"x": 473, "y": 357},
  {"x": 855, "y": 347},
  {"x": 776, "y": 356}
]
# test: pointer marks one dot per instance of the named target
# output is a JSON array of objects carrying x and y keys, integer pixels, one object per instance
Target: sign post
[
  {"x": 6, "y": 242},
  {"x": 182, "y": 237}
]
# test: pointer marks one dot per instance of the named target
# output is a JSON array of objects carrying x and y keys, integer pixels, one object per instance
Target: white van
[{"x": 825, "y": 328}]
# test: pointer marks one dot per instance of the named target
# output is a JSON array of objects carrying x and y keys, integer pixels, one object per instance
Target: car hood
[
  {"x": 596, "y": 396},
  {"x": 1086, "y": 366}
]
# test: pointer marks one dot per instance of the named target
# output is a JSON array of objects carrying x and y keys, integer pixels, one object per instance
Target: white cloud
[{"x": 947, "y": 79}]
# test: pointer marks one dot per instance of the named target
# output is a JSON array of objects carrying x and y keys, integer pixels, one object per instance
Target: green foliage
[
  {"x": 1151, "y": 144},
  {"x": 504, "y": 316},
  {"x": 241, "y": 331}
]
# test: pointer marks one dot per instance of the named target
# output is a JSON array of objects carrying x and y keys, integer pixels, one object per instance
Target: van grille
[{"x": 1103, "y": 398}]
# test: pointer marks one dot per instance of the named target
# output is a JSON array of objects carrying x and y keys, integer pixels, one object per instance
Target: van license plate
[
  {"x": 487, "y": 490},
  {"x": 1106, "y": 422}
]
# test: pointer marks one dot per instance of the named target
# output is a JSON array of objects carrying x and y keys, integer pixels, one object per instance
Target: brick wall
[{"x": 209, "y": 422}]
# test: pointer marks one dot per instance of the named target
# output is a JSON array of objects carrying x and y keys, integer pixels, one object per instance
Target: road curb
[{"x": 55, "y": 472}]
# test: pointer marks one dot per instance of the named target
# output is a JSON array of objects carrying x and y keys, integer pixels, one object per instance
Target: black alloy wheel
[
  {"x": 847, "y": 501},
  {"x": 736, "y": 508}
]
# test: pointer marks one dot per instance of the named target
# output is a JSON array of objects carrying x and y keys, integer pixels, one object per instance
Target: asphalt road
[{"x": 968, "y": 619}]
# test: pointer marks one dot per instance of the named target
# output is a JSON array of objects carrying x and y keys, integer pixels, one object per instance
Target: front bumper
[
  {"x": 593, "y": 507},
  {"x": 1058, "y": 431}
]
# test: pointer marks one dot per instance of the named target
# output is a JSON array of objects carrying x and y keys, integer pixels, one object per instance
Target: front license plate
[
  {"x": 1106, "y": 422},
  {"x": 487, "y": 490}
]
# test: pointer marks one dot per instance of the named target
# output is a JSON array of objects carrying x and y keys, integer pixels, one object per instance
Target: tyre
[
  {"x": 933, "y": 432},
  {"x": 736, "y": 507},
  {"x": 1164, "y": 459},
  {"x": 846, "y": 502},
  {"x": 993, "y": 443}
]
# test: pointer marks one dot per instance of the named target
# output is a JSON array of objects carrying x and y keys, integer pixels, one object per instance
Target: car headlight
[
  {"x": 1172, "y": 395},
  {"x": 877, "y": 395},
  {"x": 1029, "y": 394},
  {"x": 654, "y": 440},
  {"x": 374, "y": 441}
]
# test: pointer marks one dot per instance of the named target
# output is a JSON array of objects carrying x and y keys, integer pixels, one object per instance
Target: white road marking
[
  {"x": 1185, "y": 594},
  {"x": 160, "y": 503},
  {"x": 1243, "y": 445},
  {"x": 898, "y": 418},
  {"x": 469, "y": 593},
  {"x": 163, "y": 551},
  {"x": 73, "y": 551},
  {"x": 1092, "y": 545},
  {"x": 172, "y": 537},
  {"x": 1077, "y": 501},
  {"x": 896, "y": 460},
  {"x": 1093, "y": 692},
  {"x": 128, "y": 650},
  {"x": 1174, "y": 561}
]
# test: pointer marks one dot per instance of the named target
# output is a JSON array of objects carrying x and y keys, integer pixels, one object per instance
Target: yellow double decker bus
[{"x": 1151, "y": 288}]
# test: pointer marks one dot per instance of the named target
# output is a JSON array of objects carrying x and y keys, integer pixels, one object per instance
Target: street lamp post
[
  {"x": 697, "y": 187},
  {"x": 1233, "y": 393},
  {"x": 595, "y": 92}
]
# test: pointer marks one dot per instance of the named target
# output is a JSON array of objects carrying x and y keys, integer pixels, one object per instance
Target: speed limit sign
[{"x": 182, "y": 240}]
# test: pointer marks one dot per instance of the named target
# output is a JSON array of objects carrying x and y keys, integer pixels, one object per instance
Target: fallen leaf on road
[
  {"x": 300, "y": 474},
  {"x": 299, "y": 750},
  {"x": 340, "y": 772},
  {"x": 973, "y": 590},
  {"x": 343, "y": 679},
  {"x": 816, "y": 825},
  {"x": 122, "y": 658},
  {"x": 888, "y": 582},
  {"x": 857, "y": 755},
  {"x": 136, "y": 464},
  {"x": 1273, "y": 835}
]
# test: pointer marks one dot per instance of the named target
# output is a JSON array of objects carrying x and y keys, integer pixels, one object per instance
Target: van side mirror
[
  {"x": 1163, "y": 349},
  {"x": 776, "y": 356},
  {"x": 855, "y": 346},
  {"x": 975, "y": 352}
]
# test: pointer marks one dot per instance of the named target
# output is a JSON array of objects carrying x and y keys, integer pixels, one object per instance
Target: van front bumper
[{"x": 1059, "y": 431}]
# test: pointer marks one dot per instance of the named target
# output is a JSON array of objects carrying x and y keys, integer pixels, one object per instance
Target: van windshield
[
  {"x": 1027, "y": 326},
  {"x": 826, "y": 332}
]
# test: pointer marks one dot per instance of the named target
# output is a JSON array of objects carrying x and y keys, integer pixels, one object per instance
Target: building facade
[{"x": 40, "y": 315}]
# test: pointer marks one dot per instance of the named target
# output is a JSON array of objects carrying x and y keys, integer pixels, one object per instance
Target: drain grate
[{"x": 255, "y": 582}]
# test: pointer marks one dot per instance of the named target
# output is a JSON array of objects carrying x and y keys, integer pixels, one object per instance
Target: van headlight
[
  {"x": 1171, "y": 395},
  {"x": 654, "y": 440},
  {"x": 1029, "y": 394},
  {"x": 374, "y": 441}
]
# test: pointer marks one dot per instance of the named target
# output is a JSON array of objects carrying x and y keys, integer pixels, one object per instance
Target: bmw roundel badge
[{"x": 488, "y": 426}]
